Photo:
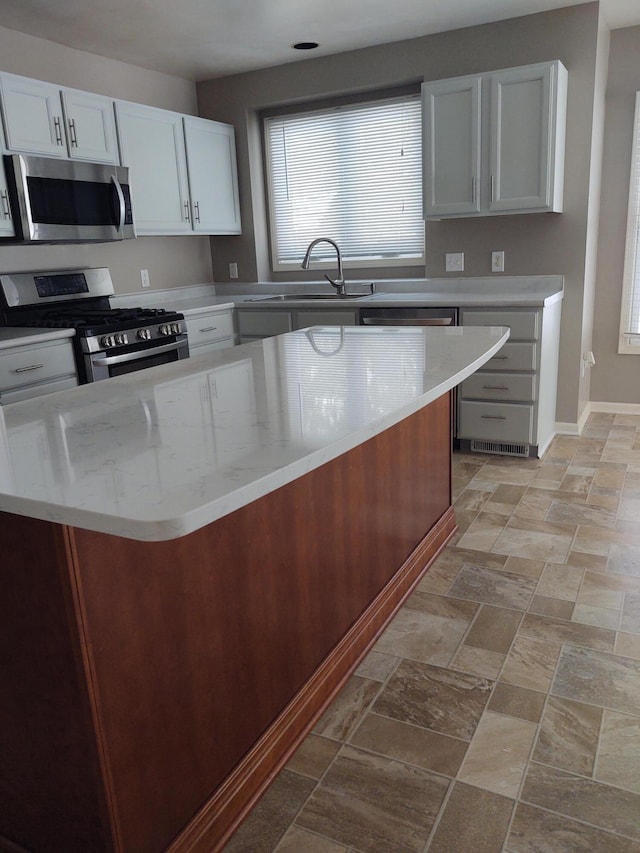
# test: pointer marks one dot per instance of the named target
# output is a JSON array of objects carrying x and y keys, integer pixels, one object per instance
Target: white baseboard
[
  {"x": 608, "y": 408},
  {"x": 615, "y": 408}
]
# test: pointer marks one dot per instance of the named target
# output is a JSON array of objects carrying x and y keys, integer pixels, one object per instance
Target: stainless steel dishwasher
[
  {"x": 413, "y": 316},
  {"x": 416, "y": 316}
]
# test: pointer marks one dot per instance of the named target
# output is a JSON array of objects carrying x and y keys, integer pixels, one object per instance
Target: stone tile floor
[{"x": 500, "y": 710}]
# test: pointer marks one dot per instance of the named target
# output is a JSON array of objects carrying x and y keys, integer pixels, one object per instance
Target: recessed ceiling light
[{"x": 305, "y": 45}]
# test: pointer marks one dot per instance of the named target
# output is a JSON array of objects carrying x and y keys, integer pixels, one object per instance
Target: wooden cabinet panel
[{"x": 155, "y": 688}]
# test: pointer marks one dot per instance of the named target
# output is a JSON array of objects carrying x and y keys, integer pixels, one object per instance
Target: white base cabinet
[
  {"x": 209, "y": 331},
  {"x": 255, "y": 323},
  {"x": 494, "y": 143},
  {"x": 31, "y": 369},
  {"x": 509, "y": 405}
]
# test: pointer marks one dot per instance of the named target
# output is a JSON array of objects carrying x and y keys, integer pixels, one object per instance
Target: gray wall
[
  {"x": 615, "y": 378},
  {"x": 171, "y": 261},
  {"x": 533, "y": 244}
]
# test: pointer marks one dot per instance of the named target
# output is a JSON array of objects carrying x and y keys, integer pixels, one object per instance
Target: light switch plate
[{"x": 454, "y": 262}]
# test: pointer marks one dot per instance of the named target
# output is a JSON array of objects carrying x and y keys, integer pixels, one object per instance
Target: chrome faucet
[{"x": 338, "y": 283}]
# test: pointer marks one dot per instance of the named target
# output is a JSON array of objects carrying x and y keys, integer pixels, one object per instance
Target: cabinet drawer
[
  {"x": 35, "y": 363},
  {"x": 264, "y": 323},
  {"x": 208, "y": 328},
  {"x": 513, "y": 357},
  {"x": 511, "y": 422},
  {"x": 223, "y": 343},
  {"x": 499, "y": 386},
  {"x": 30, "y": 391},
  {"x": 524, "y": 325}
]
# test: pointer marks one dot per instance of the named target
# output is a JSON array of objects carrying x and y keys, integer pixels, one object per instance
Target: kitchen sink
[{"x": 293, "y": 297}]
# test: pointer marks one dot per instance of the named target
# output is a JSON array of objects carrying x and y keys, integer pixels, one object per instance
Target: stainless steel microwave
[{"x": 67, "y": 201}]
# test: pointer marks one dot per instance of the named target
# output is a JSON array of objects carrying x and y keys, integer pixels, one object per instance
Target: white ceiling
[{"x": 201, "y": 39}]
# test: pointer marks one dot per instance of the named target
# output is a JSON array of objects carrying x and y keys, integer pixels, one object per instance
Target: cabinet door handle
[
  {"x": 209, "y": 329},
  {"x": 5, "y": 204},
  {"x": 187, "y": 215},
  {"x": 495, "y": 387},
  {"x": 58, "y": 130},
  {"x": 493, "y": 417},
  {"x": 492, "y": 194},
  {"x": 500, "y": 358},
  {"x": 72, "y": 133},
  {"x": 197, "y": 211},
  {"x": 473, "y": 190},
  {"x": 30, "y": 367}
]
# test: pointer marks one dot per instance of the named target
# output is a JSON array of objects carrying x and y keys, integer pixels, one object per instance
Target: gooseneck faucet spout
[{"x": 339, "y": 282}]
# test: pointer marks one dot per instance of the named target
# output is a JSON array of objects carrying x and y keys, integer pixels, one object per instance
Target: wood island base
[{"x": 150, "y": 691}]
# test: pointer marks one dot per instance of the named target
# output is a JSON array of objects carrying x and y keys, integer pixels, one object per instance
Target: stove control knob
[
  {"x": 121, "y": 339},
  {"x": 164, "y": 330},
  {"x": 144, "y": 334},
  {"x": 107, "y": 341},
  {"x": 175, "y": 328}
]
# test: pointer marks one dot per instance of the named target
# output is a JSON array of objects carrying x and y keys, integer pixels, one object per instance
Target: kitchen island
[{"x": 194, "y": 559}]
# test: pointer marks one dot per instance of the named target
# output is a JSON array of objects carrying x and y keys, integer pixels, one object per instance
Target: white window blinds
[
  {"x": 352, "y": 173},
  {"x": 630, "y": 316}
]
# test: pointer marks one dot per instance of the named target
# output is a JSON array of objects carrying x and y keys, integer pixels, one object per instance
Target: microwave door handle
[
  {"x": 24, "y": 199},
  {"x": 118, "y": 189}
]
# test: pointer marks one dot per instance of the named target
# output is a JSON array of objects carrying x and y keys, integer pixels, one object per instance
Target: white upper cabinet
[
  {"x": 152, "y": 146},
  {"x": 517, "y": 116},
  {"x": 451, "y": 139},
  {"x": 91, "y": 127},
  {"x": 213, "y": 182},
  {"x": 35, "y": 122}
]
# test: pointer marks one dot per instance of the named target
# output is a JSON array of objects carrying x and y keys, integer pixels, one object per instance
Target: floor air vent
[{"x": 500, "y": 447}]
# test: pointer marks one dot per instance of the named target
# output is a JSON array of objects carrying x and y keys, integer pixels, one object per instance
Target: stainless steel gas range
[{"x": 108, "y": 341}]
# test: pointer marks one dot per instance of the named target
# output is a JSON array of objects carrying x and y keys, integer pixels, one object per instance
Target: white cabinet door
[
  {"x": 522, "y": 134},
  {"x": 32, "y": 114},
  {"x": 494, "y": 143},
  {"x": 213, "y": 181},
  {"x": 152, "y": 146},
  {"x": 6, "y": 223},
  {"x": 91, "y": 127},
  {"x": 451, "y": 139}
]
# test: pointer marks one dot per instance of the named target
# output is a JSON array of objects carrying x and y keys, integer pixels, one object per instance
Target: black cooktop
[{"x": 90, "y": 320}]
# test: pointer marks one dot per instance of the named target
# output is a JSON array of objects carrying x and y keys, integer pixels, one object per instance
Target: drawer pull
[
  {"x": 495, "y": 387},
  {"x": 494, "y": 417},
  {"x": 500, "y": 358},
  {"x": 209, "y": 329},
  {"x": 31, "y": 367}
]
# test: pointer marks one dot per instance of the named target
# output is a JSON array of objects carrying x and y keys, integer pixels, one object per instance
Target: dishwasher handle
[{"x": 404, "y": 321}]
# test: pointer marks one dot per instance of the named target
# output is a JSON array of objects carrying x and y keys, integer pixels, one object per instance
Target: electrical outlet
[
  {"x": 454, "y": 262},
  {"x": 233, "y": 270},
  {"x": 497, "y": 261},
  {"x": 144, "y": 277}
]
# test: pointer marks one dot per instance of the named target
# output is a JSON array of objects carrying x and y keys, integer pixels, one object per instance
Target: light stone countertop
[
  {"x": 503, "y": 291},
  {"x": 159, "y": 453}
]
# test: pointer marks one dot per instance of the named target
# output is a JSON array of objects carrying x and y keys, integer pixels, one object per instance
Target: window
[
  {"x": 352, "y": 173},
  {"x": 630, "y": 316}
]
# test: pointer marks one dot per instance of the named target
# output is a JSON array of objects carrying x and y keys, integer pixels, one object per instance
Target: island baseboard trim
[{"x": 220, "y": 816}]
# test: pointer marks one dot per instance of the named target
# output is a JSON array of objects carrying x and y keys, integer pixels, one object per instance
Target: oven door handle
[{"x": 105, "y": 360}]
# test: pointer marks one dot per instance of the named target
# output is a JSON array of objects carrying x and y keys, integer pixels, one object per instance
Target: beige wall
[
  {"x": 533, "y": 244},
  {"x": 615, "y": 378},
  {"x": 171, "y": 261}
]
